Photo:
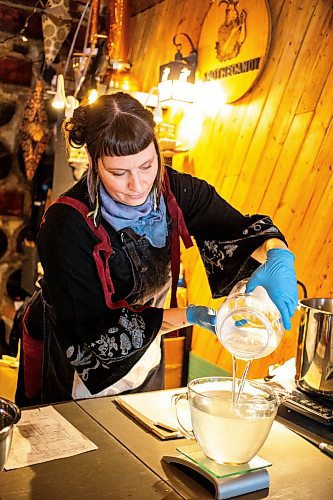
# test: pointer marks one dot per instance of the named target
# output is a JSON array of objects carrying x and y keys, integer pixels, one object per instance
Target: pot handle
[{"x": 303, "y": 287}]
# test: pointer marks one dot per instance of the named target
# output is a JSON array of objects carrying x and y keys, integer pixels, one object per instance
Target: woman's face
[{"x": 129, "y": 179}]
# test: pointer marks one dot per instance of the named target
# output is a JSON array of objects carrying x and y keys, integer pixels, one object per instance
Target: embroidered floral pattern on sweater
[
  {"x": 215, "y": 252},
  {"x": 118, "y": 342}
]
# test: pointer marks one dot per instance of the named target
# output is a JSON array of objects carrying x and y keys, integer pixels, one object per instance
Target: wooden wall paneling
[
  {"x": 323, "y": 276},
  {"x": 228, "y": 171},
  {"x": 226, "y": 145},
  {"x": 250, "y": 112},
  {"x": 161, "y": 23},
  {"x": 314, "y": 271},
  {"x": 234, "y": 181},
  {"x": 208, "y": 164},
  {"x": 293, "y": 143},
  {"x": 239, "y": 144},
  {"x": 322, "y": 47},
  {"x": 136, "y": 48},
  {"x": 285, "y": 61},
  {"x": 233, "y": 143},
  {"x": 200, "y": 293},
  {"x": 203, "y": 160},
  {"x": 324, "y": 285},
  {"x": 157, "y": 47},
  {"x": 276, "y": 9},
  {"x": 212, "y": 346},
  {"x": 138, "y": 6},
  {"x": 204, "y": 335},
  {"x": 275, "y": 75},
  {"x": 208, "y": 155},
  {"x": 224, "y": 359},
  {"x": 319, "y": 245},
  {"x": 278, "y": 135},
  {"x": 142, "y": 65},
  {"x": 290, "y": 340},
  {"x": 142, "y": 47},
  {"x": 293, "y": 196},
  {"x": 206, "y": 345},
  {"x": 302, "y": 234},
  {"x": 318, "y": 221},
  {"x": 313, "y": 187},
  {"x": 287, "y": 105},
  {"x": 194, "y": 12}
]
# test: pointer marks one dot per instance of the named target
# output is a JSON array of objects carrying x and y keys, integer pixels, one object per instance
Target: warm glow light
[
  {"x": 92, "y": 96},
  {"x": 71, "y": 104},
  {"x": 177, "y": 90},
  {"x": 118, "y": 66},
  {"x": 146, "y": 99},
  {"x": 211, "y": 99},
  {"x": 126, "y": 85},
  {"x": 59, "y": 101},
  {"x": 158, "y": 114},
  {"x": 189, "y": 128}
]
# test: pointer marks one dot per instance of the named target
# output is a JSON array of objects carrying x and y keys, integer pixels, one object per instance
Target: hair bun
[{"x": 75, "y": 127}]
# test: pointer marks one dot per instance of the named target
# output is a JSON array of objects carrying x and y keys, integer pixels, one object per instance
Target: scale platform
[{"x": 228, "y": 480}]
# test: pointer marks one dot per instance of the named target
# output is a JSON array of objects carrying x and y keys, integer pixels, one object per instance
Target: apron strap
[
  {"x": 179, "y": 230},
  {"x": 32, "y": 359},
  {"x": 102, "y": 248}
]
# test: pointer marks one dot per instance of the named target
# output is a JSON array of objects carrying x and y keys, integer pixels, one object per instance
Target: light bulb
[
  {"x": 92, "y": 96},
  {"x": 59, "y": 101},
  {"x": 71, "y": 104},
  {"x": 158, "y": 114}
]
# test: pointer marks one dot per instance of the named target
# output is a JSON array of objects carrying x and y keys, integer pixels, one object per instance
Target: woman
[{"x": 110, "y": 251}]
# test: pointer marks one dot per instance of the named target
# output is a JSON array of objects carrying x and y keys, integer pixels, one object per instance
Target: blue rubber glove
[
  {"x": 277, "y": 276},
  {"x": 202, "y": 316}
]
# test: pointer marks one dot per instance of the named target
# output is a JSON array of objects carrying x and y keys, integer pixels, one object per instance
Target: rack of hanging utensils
[{"x": 102, "y": 65}]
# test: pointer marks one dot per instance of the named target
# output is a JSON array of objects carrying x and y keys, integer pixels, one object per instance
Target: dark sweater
[{"x": 225, "y": 238}]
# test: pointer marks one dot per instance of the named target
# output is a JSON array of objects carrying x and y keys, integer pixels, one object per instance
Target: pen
[
  {"x": 326, "y": 448},
  {"x": 165, "y": 427}
]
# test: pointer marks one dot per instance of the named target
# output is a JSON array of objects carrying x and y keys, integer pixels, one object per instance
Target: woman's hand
[
  {"x": 277, "y": 275},
  {"x": 176, "y": 318},
  {"x": 202, "y": 316}
]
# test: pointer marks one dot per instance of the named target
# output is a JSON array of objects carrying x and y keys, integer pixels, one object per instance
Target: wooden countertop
[{"x": 128, "y": 464}]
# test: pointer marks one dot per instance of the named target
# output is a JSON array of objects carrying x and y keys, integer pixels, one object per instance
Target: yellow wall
[{"x": 271, "y": 152}]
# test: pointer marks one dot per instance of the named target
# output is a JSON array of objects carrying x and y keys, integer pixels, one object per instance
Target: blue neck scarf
[{"x": 143, "y": 219}]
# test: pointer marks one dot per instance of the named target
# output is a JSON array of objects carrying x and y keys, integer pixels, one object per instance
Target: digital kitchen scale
[
  {"x": 315, "y": 408},
  {"x": 228, "y": 480}
]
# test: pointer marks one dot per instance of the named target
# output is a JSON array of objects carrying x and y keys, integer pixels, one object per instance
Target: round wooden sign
[{"x": 233, "y": 45}]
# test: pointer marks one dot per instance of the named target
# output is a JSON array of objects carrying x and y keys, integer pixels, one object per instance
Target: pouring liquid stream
[{"x": 237, "y": 395}]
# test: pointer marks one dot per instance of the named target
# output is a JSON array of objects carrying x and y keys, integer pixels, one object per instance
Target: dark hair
[{"x": 114, "y": 125}]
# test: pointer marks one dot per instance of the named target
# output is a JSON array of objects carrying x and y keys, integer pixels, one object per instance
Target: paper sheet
[
  {"x": 154, "y": 409},
  {"x": 41, "y": 435}
]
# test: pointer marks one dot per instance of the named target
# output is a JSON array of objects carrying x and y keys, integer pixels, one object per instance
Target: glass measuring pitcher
[
  {"x": 249, "y": 325},
  {"x": 228, "y": 432}
]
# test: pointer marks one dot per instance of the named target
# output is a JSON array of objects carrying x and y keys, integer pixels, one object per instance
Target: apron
[{"x": 150, "y": 287}]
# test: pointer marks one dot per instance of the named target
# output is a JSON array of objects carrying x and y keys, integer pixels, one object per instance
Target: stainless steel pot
[
  {"x": 10, "y": 414},
  {"x": 314, "y": 359}
]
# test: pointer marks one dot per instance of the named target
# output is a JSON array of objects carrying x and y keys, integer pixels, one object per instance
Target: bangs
[{"x": 126, "y": 135}]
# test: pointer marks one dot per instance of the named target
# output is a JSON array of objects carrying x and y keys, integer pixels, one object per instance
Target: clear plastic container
[{"x": 249, "y": 325}]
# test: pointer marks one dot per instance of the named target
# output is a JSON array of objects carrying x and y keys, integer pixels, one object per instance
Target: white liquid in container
[
  {"x": 228, "y": 432},
  {"x": 249, "y": 325}
]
